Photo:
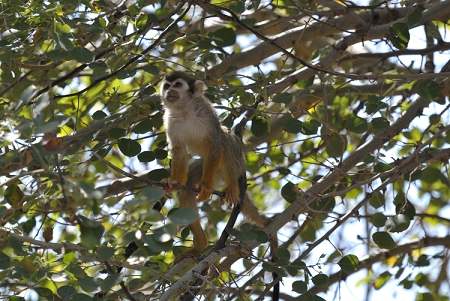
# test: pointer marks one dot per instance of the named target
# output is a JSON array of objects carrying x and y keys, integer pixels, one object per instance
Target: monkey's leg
[
  {"x": 231, "y": 173},
  {"x": 179, "y": 166},
  {"x": 188, "y": 199},
  {"x": 211, "y": 163}
]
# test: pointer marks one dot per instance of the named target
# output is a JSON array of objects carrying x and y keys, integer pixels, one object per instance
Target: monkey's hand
[
  {"x": 170, "y": 183},
  {"x": 206, "y": 190},
  {"x": 232, "y": 195}
]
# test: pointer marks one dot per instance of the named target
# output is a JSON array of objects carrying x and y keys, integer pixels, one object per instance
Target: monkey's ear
[{"x": 199, "y": 86}]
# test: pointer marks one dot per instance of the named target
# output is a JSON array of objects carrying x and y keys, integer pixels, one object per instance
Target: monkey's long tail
[
  {"x": 276, "y": 287},
  {"x": 251, "y": 212}
]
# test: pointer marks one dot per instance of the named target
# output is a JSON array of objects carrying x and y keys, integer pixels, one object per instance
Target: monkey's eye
[
  {"x": 177, "y": 85},
  {"x": 166, "y": 86}
]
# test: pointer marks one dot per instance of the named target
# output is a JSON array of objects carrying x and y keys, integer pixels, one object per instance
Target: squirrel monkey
[{"x": 193, "y": 128}]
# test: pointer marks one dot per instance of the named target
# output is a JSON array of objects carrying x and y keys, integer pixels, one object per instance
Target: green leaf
[
  {"x": 255, "y": 4},
  {"x": 151, "y": 194},
  {"x": 399, "y": 35},
  {"x": 66, "y": 292},
  {"x": 421, "y": 279},
  {"x": 143, "y": 127},
  {"x": 123, "y": 74},
  {"x": 116, "y": 133},
  {"x": 224, "y": 37},
  {"x": 422, "y": 261},
  {"x": 285, "y": 98},
  {"x": 91, "y": 232},
  {"x": 44, "y": 292},
  {"x": 88, "y": 284},
  {"x": 64, "y": 42},
  {"x": 356, "y": 124},
  {"x": 105, "y": 253},
  {"x": 16, "y": 245},
  {"x": 129, "y": 147},
  {"x": 28, "y": 94},
  {"x": 82, "y": 54},
  {"x": 325, "y": 205},
  {"x": 414, "y": 18},
  {"x": 377, "y": 200},
  {"x": 160, "y": 154},
  {"x": 155, "y": 246},
  {"x": 261, "y": 236},
  {"x": 383, "y": 240},
  {"x": 81, "y": 297},
  {"x": 47, "y": 127},
  {"x": 381, "y": 280},
  {"x": 398, "y": 223},
  {"x": 3, "y": 210},
  {"x": 158, "y": 174},
  {"x": 99, "y": 115},
  {"x": 414, "y": 176},
  {"x": 110, "y": 281},
  {"x": 349, "y": 263},
  {"x": 150, "y": 90},
  {"x": 428, "y": 89},
  {"x": 292, "y": 125},
  {"x": 76, "y": 270},
  {"x": 289, "y": 192},
  {"x": 62, "y": 28},
  {"x": 147, "y": 156},
  {"x": 242, "y": 235},
  {"x": 336, "y": 145},
  {"x": 380, "y": 123},
  {"x": 152, "y": 69},
  {"x": 237, "y": 6},
  {"x": 283, "y": 253},
  {"x": 320, "y": 280},
  {"x": 299, "y": 287},
  {"x": 5, "y": 261},
  {"x": 259, "y": 127},
  {"x": 381, "y": 167},
  {"x": 183, "y": 215},
  {"x": 141, "y": 21},
  {"x": 426, "y": 297},
  {"x": 269, "y": 267},
  {"x": 13, "y": 195},
  {"x": 230, "y": 69},
  {"x": 164, "y": 233},
  {"x": 404, "y": 207},
  {"x": 310, "y": 127},
  {"x": 314, "y": 298}
]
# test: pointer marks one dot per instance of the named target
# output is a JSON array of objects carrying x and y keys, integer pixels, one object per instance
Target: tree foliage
[{"x": 347, "y": 149}]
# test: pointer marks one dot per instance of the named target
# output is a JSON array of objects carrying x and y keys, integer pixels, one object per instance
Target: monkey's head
[{"x": 178, "y": 88}]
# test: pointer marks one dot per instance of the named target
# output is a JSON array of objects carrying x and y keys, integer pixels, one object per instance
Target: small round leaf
[
  {"x": 383, "y": 240},
  {"x": 129, "y": 147}
]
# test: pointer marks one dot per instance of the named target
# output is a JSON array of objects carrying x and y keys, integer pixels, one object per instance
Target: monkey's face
[{"x": 175, "y": 91}]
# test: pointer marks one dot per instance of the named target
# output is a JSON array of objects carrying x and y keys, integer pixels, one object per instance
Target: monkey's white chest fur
[{"x": 186, "y": 128}]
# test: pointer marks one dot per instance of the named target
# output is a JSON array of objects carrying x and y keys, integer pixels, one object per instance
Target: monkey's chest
[{"x": 191, "y": 132}]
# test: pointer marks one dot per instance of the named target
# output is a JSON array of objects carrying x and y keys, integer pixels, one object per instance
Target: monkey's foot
[
  {"x": 232, "y": 195},
  {"x": 192, "y": 253},
  {"x": 205, "y": 191}
]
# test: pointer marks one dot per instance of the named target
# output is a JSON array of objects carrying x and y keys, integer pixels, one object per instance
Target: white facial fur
[
  {"x": 184, "y": 118},
  {"x": 172, "y": 92}
]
